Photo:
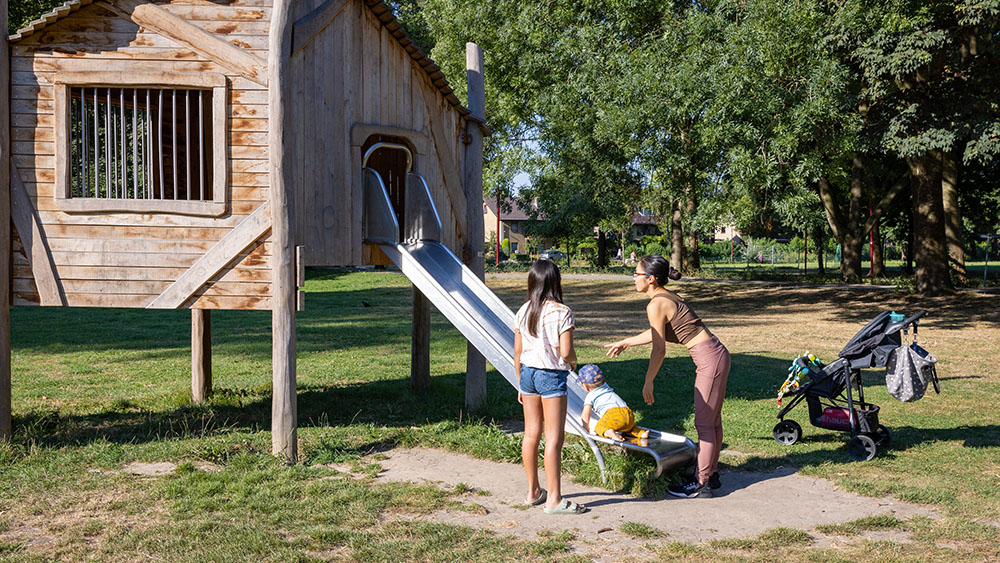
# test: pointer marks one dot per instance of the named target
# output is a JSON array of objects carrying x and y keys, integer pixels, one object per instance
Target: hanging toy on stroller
[{"x": 828, "y": 389}]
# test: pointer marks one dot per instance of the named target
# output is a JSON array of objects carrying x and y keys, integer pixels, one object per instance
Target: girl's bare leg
[
  {"x": 554, "y": 410},
  {"x": 529, "y": 446}
]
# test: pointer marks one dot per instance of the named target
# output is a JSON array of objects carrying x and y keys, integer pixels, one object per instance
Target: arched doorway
[{"x": 392, "y": 158}]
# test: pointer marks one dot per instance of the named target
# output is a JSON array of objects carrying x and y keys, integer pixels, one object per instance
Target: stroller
[{"x": 828, "y": 388}]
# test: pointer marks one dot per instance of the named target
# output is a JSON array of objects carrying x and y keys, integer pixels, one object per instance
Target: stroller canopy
[{"x": 871, "y": 346}]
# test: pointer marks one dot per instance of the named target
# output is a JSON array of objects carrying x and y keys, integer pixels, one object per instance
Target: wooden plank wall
[
  {"x": 127, "y": 259},
  {"x": 355, "y": 72}
]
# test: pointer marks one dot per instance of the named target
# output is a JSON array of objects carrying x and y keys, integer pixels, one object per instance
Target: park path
[{"x": 746, "y": 505}]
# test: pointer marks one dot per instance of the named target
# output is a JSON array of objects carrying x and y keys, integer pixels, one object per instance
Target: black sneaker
[
  {"x": 691, "y": 489},
  {"x": 713, "y": 481}
]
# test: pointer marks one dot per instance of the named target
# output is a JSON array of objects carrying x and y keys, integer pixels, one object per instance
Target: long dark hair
[
  {"x": 660, "y": 268},
  {"x": 544, "y": 283}
]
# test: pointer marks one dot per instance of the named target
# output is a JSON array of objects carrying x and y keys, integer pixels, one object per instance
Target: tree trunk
[
  {"x": 602, "y": 249},
  {"x": 908, "y": 249},
  {"x": 930, "y": 247},
  {"x": 805, "y": 254},
  {"x": 878, "y": 258},
  {"x": 953, "y": 217},
  {"x": 820, "y": 243},
  {"x": 692, "y": 255},
  {"x": 676, "y": 238},
  {"x": 850, "y": 259}
]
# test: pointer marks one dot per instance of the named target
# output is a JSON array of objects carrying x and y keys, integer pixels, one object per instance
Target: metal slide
[{"x": 477, "y": 312}]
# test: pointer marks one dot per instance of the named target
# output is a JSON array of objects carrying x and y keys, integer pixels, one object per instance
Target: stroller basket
[{"x": 834, "y": 417}]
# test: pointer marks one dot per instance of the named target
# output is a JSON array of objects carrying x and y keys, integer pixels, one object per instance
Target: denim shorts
[{"x": 548, "y": 383}]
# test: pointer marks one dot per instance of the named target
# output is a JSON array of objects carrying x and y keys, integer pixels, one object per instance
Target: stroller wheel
[
  {"x": 861, "y": 448},
  {"x": 787, "y": 432},
  {"x": 881, "y": 436}
]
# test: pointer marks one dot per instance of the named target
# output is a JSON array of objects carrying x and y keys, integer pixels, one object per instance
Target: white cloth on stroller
[{"x": 908, "y": 371}]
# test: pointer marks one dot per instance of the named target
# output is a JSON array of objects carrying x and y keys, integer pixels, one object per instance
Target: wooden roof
[{"x": 378, "y": 7}]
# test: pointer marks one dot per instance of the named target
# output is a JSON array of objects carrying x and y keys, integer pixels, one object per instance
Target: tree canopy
[{"x": 815, "y": 115}]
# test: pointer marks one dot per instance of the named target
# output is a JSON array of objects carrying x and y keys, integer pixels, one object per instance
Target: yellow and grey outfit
[{"x": 613, "y": 412}]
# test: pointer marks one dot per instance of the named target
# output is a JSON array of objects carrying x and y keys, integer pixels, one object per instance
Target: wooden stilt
[
  {"x": 201, "y": 355},
  {"x": 472, "y": 184},
  {"x": 284, "y": 441},
  {"x": 5, "y": 403},
  {"x": 420, "y": 351}
]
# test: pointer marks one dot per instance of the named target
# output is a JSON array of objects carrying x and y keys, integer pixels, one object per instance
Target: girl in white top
[{"x": 543, "y": 356}]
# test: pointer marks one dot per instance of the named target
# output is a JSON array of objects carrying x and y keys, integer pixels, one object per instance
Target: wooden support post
[
  {"x": 420, "y": 351},
  {"x": 201, "y": 355},
  {"x": 284, "y": 438},
  {"x": 5, "y": 229},
  {"x": 472, "y": 185}
]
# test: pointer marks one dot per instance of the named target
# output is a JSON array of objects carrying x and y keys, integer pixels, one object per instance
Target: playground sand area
[{"x": 748, "y": 504}]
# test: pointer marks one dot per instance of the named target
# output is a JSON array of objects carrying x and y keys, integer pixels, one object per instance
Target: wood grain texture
[
  {"x": 198, "y": 39},
  {"x": 32, "y": 236},
  {"x": 312, "y": 24},
  {"x": 222, "y": 254},
  {"x": 201, "y": 355},
  {"x": 284, "y": 435},
  {"x": 420, "y": 342},
  {"x": 472, "y": 185},
  {"x": 5, "y": 232}
]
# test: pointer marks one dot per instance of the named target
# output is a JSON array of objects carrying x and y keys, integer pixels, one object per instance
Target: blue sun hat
[{"x": 590, "y": 374}]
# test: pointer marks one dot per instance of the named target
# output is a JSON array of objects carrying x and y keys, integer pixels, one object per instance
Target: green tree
[
  {"x": 929, "y": 73},
  {"x": 22, "y": 12}
]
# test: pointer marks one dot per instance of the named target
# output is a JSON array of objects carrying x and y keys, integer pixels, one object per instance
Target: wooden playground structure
[{"x": 199, "y": 155}]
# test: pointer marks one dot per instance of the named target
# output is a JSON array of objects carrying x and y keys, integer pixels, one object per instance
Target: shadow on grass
[
  {"x": 902, "y": 439},
  {"x": 384, "y": 403}
]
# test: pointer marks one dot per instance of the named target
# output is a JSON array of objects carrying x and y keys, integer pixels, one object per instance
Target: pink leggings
[{"x": 711, "y": 360}]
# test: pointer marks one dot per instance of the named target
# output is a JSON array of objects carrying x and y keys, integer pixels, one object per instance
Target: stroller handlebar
[{"x": 900, "y": 325}]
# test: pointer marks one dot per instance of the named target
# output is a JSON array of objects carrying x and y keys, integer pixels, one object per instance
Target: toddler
[{"x": 615, "y": 419}]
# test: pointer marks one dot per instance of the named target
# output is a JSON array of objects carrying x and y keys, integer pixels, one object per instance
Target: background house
[{"x": 512, "y": 227}]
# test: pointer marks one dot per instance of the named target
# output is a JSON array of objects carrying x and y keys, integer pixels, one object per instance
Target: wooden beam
[
  {"x": 472, "y": 185},
  {"x": 5, "y": 234},
  {"x": 201, "y": 355},
  {"x": 208, "y": 45},
  {"x": 281, "y": 133},
  {"x": 420, "y": 348},
  {"x": 212, "y": 262},
  {"x": 444, "y": 145},
  {"x": 308, "y": 26},
  {"x": 29, "y": 228}
]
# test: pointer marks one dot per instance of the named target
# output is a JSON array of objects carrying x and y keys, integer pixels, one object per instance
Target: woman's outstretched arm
[
  {"x": 656, "y": 323},
  {"x": 615, "y": 348},
  {"x": 659, "y": 312}
]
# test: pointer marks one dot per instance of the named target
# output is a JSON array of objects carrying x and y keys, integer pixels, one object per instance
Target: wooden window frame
[{"x": 62, "y": 84}]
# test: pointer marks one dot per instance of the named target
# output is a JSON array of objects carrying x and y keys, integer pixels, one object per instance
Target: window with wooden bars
[{"x": 156, "y": 144}]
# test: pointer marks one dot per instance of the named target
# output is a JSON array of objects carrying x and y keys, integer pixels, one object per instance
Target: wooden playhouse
[{"x": 199, "y": 154}]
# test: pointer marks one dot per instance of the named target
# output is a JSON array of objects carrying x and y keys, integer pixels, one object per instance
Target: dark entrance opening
[{"x": 392, "y": 164}]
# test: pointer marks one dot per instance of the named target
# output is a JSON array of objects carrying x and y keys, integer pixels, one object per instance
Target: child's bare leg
[
  {"x": 529, "y": 446},
  {"x": 555, "y": 433}
]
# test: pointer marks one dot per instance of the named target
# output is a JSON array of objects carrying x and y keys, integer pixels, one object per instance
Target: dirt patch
[
  {"x": 746, "y": 505},
  {"x": 149, "y": 469}
]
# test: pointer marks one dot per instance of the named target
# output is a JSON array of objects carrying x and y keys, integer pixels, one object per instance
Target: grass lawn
[{"x": 98, "y": 389}]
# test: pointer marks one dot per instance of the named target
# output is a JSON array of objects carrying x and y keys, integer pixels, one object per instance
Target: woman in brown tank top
[{"x": 671, "y": 320}]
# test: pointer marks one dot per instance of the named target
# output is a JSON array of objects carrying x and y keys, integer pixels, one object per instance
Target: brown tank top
[{"x": 685, "y": 324}]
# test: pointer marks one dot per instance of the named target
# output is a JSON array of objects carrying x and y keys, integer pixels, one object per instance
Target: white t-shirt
[
  {"x": 602, "y": 399},
  {"x": 542, "y": 351}
]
